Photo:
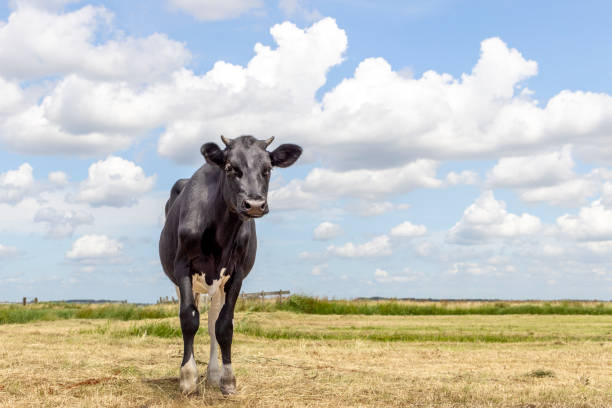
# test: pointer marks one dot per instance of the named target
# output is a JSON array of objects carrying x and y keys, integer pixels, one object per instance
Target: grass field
[{"x": 125, "y": 355}]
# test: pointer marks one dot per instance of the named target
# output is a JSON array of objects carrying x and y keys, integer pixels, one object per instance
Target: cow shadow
[{"x": 168, "y": 385}]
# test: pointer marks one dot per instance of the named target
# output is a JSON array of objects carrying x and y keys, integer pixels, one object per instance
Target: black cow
[{"x": 208, "y": 242}]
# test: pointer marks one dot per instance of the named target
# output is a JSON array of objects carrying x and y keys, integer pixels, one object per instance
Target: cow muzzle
[{"x": 254, "y": 207}]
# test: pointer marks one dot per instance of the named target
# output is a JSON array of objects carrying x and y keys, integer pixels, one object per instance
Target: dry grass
[{"x": 95, "y": 363}]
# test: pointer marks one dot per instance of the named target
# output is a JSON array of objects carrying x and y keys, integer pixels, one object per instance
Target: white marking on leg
[
  {"x": 213, "y": 372},
  {"x": 228, "y": 380},
  {"x": 189, "y": 377}
]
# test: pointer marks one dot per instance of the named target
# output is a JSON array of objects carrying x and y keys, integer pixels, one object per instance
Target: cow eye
[{"x": 232, "y": 171}]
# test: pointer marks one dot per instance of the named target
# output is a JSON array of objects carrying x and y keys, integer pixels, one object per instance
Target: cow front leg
[
  {"x": 224, "y": 330},
  {"x": 213, "y": 372},
  {"x": 190, "y": 322}
]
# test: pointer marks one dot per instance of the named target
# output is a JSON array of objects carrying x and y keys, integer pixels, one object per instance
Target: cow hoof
[
  {"x": 189, "y": 377},
  {"x": 228, "y": 385},
  {"x": 213, "y": 377}
]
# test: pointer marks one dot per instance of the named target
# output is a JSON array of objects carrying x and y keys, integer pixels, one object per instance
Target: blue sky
[{"x": 451, "y": 149}]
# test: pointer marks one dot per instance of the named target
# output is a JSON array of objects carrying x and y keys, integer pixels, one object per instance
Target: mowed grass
[{"x": 288, "y": 359}]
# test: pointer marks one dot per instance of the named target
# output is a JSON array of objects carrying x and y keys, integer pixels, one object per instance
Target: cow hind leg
[{"x": 190, "y": 322}]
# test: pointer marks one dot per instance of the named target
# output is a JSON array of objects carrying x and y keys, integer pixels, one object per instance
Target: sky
[{"x": 452, "y": 149}]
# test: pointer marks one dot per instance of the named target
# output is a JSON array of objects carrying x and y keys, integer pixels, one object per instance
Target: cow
[{"x": 208, "y": 243}]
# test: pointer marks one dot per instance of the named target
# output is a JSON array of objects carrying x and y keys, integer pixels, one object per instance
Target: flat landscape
[{"x": 300, "y": 355}]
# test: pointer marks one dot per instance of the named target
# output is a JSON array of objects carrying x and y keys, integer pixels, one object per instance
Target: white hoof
[
  {"x": 189, "y": 377},
  {"x": 213, "y": 376},
  {"x": 228, "y": 381}
]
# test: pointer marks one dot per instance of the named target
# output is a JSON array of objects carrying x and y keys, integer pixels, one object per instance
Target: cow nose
[{"x": 255, "y": 207}]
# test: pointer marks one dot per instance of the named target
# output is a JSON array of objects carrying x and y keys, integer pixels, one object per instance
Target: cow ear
[
  {"x": 285, "y": 155},
  {"x": 213, "y": 154}
]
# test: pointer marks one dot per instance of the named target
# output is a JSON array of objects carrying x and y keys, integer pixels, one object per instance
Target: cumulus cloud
[
  {"x": 278, "y": 84},
  {"x": 95, "y": 104},
  {"x": 321, "y": 184},
  {"x": 94, "y": 247},
  {"x": 16, "y": 184},
  {"x": 468, "y": 177},
  {"x": 327, "y": 230},
  {"x": 488, "y": 218},
  {"x": 547, "y": 177},
  {"x": 592, "y": 223},
  {"x": 114, "y": 182},
  {"x": 211, "y": 10},
  {"x": 568, "y": 193},
  {"x": 36, "y": 42},
  {"x": 58, "y": 177},
  {"x": 377, "y": 246},
  {"x": 62, "y": 223},
  {"x": 408, "y": 229},
  {"x": 533, "y": 171}
]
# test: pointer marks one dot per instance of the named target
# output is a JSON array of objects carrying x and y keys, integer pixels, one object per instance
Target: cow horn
[
  {"x": 269, "y": 141},
  {"x": 226, "y": 141}
]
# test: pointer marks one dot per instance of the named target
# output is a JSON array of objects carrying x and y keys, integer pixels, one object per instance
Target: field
[{"x": 311, "y": 353}]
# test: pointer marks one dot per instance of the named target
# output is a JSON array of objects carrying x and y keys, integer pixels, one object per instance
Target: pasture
[{"x": 311, "y": 353}]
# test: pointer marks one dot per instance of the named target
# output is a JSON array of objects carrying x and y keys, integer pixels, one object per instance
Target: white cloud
[
  {"x": 382, "y": 276},
  {"x": 62, "y": 223},
  {"x": 58, "y": 177},
  {"x": 533, "y": 171},
  {"x": 277, "y": 84},
  {"x": 211, "y": 10},
  {"x": 35, "y": 42},
  {"x": 488, "y": 218},
  {"x": 569, "y": 193},
  {"x": 7, "y": 251},
  {"x": 471, "y": 268},
  {"x": 114, "y": 182},
  {"x": 16, "y": 184},
  {"x": 293, "y": 8},
  {"x": 318, "y": 270},
  {"x": 593, "y": 223},
  {"x": 321, "y": 184},
  {"x": 12, "y": 96},
  {"x": 408, "y": 229},
  {"x": 468, "y": 177},
  {"x": 94, "y": 247},
  {"x": 48, "y": 4},
  {"x": 327, "y": 230},
  {"x": 377, "y": 246},
  {"x": 376, "y": 119}
]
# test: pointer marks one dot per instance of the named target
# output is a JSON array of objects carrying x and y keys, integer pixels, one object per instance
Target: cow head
[{"x": 246, "y": 166}]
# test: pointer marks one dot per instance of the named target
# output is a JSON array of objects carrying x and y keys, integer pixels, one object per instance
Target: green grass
[
  {"x": 161, "y": 329},
  {"x": 303, "y": 305},
  {"x": 311, "y": 305},
  {"x": 60, "y": 311},
  {"x": 447, "y": 329}
]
